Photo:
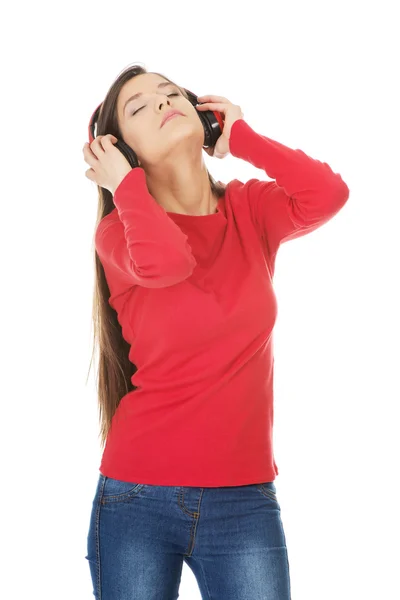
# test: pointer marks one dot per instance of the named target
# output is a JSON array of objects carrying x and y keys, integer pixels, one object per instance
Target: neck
[{"x": 183, "y": 189}]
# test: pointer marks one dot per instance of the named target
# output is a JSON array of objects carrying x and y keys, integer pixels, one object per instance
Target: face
[{"x": 140, "y": 120}]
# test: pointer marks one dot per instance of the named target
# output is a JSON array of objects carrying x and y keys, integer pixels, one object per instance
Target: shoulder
[
  {"x": 251, "y": 188},
  {"x": 110, "y": 222},
  {"x": 110, "y": 218}
]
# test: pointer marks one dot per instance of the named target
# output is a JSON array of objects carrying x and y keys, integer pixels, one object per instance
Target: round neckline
[{"x": 188, "y": 217}]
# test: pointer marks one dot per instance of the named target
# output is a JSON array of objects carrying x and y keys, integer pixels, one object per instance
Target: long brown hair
[{"x": 114, "y": 368}]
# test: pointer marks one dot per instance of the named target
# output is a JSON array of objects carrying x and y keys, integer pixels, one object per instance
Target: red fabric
[{"x": 194, "y": 296}]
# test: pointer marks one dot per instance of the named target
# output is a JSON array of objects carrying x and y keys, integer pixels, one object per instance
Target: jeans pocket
[
  {"x": 268, "y": 489},
  {"x": 116, "y": 490}
]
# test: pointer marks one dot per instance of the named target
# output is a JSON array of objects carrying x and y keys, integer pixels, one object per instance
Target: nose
[{"x": 166, "y": 101}]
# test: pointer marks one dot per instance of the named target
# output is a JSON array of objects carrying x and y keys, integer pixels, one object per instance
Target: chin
[{"x": 186, "y": 135}]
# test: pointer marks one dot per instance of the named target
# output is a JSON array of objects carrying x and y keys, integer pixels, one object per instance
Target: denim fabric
[{"x": 231, "y": 537}]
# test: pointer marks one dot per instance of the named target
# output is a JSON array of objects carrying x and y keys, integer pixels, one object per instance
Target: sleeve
[
  {"x": 305, "y": 193},
  {"x": 139, "y": 244}
]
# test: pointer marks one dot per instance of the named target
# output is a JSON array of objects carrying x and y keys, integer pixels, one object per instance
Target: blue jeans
[{"x": 231, "y": 537}]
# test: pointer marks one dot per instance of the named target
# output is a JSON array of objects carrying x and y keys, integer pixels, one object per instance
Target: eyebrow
[{"x": 160, "y": 85}]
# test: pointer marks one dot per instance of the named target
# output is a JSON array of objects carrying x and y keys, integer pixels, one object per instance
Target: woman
[{"x": 184, "y": 313}]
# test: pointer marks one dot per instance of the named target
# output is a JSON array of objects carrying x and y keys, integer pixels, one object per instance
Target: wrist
[{"x": 119, "y": 180}]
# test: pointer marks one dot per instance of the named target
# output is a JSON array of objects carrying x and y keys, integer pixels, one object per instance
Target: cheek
[
  {"x": 136, "y": 138},
  {"x": 146, "y": 144},
  {"x": 197, "y": 124},
  {"x": 199, "y": 129}
]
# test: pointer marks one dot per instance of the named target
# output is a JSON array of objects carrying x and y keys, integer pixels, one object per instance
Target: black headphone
[{"x": 213, "y": 124}]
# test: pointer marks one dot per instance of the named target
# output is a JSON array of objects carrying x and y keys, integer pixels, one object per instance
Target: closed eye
[{"x": 134, "y": 113}]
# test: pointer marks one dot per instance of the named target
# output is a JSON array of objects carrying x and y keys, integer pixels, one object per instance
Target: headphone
[{"x": 213, "y": 124}]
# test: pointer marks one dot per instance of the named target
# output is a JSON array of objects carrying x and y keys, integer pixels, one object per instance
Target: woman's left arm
[{"x": 305, "y": 193}]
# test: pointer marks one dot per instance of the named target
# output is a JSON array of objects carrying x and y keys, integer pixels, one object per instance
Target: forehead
[{"x": 143, "y": 83}]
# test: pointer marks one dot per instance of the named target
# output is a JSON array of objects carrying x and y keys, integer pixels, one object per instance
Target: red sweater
[{"x": 194, "y": 296}]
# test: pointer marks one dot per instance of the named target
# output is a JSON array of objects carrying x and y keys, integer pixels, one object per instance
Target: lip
[{"x": 169, "y": 114}]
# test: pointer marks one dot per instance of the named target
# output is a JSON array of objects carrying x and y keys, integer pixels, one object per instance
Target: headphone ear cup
[
  {"x": 208, "y": 131},
  {"x": 212, "y": 122}
]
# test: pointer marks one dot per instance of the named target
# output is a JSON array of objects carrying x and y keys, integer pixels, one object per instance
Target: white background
[{"x": 319, "y": 76}]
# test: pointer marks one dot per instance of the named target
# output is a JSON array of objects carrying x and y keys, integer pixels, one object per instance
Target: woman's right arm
[{"x": 138, "y": 244}]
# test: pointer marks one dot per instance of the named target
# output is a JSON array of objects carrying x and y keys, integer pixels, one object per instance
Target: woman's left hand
[{"x": 231, "y": 113}]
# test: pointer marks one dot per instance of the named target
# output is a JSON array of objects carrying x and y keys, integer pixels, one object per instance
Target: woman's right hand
[{"x": 108, "y": 165}]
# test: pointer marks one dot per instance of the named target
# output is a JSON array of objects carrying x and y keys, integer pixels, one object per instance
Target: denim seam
[
  {"x": 267, "y": 492},
  {"x": 195, "y": 516},
  {"x": 181, "y": 501},
  {"x": 125, "y": 496},
  {"x": 97, "y": 532},
  {"x": 192, "y": 536}
]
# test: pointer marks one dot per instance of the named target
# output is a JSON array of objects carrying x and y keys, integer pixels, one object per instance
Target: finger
[
  {"x": 90, "y": 174},
  {"x": 220, "y": 155},
  {"x": 100, "y": 143},
  {"x": 87, "y": 150},
  {"x": 213, "y": 106},
  {"x": 96, "y": 146},
  {"x": 104, "y": 142},
  {"x": 108, "y": 139},
  {"x": 89, "y": 155}
]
